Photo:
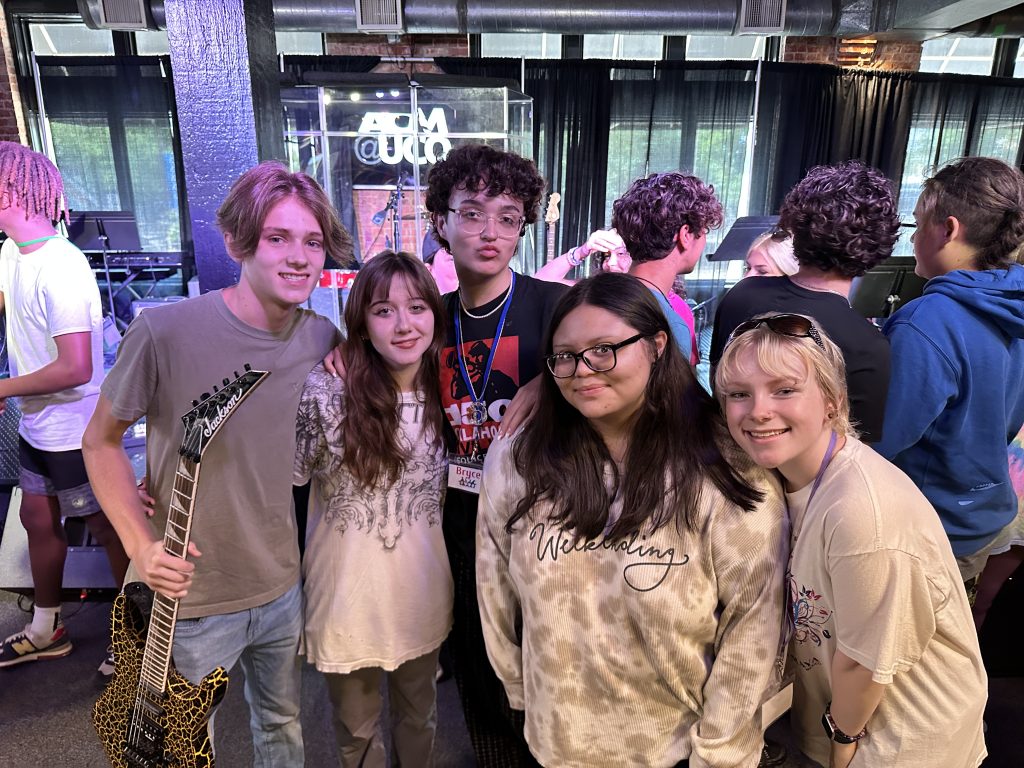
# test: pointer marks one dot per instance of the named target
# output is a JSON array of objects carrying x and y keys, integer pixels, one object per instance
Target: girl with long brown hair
[
  {"x": 630, "y": 573},
  {"x": 378, "y": 586}
]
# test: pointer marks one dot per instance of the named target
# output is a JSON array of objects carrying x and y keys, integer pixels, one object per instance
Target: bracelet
[
  {"x": 573, "y": 257},
  {"x": 833, "y": 731}
]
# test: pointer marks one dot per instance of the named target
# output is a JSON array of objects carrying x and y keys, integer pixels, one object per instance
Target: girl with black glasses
[{"x": 630, "y": 572}]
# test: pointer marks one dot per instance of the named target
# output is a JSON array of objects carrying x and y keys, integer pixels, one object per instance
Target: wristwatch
[{"x": 834, "y": 733}]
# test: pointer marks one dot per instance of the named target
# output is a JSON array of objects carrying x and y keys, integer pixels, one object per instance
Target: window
[
  {"x": 963, "y": 55},
  {"x": 309, "y": 43},
  {"x": 1018, "y": 67},
  {"x": 623, "y": 46},
  {"x": 527, "y": 45},
  {"x": 70, "y": 40},
  {"x": 699, "y": 47},
  {"x": 151, "y": 43},
  {"x": 113, "y": 141}
]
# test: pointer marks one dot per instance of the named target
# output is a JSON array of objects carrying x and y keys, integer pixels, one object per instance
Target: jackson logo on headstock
[{"x": 223, "y": 411}]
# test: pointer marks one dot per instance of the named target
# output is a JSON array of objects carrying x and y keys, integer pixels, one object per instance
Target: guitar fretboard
[{"x": 156, "y": 658}]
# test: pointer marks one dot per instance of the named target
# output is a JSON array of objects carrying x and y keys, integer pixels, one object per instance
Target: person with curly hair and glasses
[
  {"x": 956, "y": 400},
  {"x": 844, "y": 220},
  {"x": 630, "y": 560},
  {"x": 888, "y": 668}
]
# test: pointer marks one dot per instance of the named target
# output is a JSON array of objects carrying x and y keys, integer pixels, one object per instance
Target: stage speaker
[{"x": 86, "y": 567}]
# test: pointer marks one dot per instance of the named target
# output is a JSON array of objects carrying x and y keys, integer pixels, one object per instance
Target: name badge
[{"x": 465, "y": 474}]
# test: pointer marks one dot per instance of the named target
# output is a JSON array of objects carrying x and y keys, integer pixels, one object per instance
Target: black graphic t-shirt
[{"x": 516, "y": 361}]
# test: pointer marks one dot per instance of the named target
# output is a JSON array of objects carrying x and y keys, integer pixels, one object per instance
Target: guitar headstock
[
  {"x": 551, "y": 215},
  {"x": 209, "y": 412}
]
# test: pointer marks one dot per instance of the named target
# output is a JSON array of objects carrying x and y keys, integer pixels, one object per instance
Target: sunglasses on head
[{"x": 797, "y": 326}]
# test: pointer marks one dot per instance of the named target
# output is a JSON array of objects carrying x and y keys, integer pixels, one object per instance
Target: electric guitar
[
  {"x": 550, "y": 218},
  {"x": 150, "y": 716}
]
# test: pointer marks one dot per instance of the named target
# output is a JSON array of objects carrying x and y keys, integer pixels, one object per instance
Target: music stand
[
  {"x": 105, "y": 231},
  {"x": 740, "y": 237}
]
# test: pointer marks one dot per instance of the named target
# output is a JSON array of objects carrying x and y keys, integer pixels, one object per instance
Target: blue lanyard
[{"x": 490, "y": 356}]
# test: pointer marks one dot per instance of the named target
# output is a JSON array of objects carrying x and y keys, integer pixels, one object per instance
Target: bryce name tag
[{"x": 465, "y": 474}]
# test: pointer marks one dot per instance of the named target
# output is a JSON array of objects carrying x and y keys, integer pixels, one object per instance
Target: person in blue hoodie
[{"x": 956, "y": 398}]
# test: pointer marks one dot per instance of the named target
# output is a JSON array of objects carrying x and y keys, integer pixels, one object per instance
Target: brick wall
[
  {"x": 12, "y": 124},
  {"x": 902, "y": 55},
  {"x": 407, "y": 46}
]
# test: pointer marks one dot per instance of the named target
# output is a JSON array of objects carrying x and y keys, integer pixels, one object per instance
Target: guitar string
[{"x": 179, "y": 487}]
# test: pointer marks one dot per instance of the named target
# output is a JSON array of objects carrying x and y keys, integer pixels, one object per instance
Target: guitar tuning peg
[
  {"x": 225, "y": 382},
  {"x": 195, "y": 403},
  {"x": 236, "y": 376},
  {"x": 204, "y": 396},
  {"x": 248, "y": 367},
  {"x": 215, "y": 390}
]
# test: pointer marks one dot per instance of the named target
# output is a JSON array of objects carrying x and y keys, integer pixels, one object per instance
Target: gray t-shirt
[{"x": 243, "y": 523}]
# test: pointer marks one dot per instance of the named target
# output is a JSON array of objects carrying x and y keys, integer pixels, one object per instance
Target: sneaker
[
  {"x": 18, "y": 648},
  {"x": 106, "y": 667},
  {"x": 772, "y": 754}
]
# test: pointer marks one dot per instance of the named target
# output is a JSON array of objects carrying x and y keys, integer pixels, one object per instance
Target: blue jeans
[{"x": 265, "y": 640}]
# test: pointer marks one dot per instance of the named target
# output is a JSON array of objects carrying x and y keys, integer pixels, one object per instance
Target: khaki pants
[{"x": 357, "y": 701}]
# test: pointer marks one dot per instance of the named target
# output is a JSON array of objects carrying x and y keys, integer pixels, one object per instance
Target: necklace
[
  {"x": 508, "y": 295},
  {"x": 37, "y": 240},
  {"x": 806, "y": 287},
  {"x": 655, "y": 287}
]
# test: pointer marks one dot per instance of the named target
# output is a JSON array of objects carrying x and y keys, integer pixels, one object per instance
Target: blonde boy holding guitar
[{"x": 239, "y": 589}]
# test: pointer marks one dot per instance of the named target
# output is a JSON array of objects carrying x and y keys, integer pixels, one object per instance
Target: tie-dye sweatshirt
[{"x": 634, "y": 652}]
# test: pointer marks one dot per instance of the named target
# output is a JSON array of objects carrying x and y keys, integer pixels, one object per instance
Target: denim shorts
[{"x": 57, "y": 473}]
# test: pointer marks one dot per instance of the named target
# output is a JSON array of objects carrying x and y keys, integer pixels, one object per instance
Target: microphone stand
[
  {"x": 396, "y": 213},
  {"x": 104, "y": 245}
]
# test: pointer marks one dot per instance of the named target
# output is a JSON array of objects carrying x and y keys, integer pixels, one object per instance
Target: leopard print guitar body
[{"x": 137, "y": 734}]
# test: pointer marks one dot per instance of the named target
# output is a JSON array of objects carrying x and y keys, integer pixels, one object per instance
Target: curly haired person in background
[
  {"x": 955, "y": 400},
  {"x": 844, "y": 220}
]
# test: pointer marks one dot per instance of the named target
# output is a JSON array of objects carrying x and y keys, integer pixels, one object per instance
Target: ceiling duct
[
  {"x": 119, "y": 14},
  {"x": 379, "y": 16},
  {"x": 759, "y": 17},
  {"x": 663, "y": 17}
]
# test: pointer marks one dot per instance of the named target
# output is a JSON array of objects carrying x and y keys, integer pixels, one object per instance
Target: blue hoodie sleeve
[{"x": 923, "y": 382}]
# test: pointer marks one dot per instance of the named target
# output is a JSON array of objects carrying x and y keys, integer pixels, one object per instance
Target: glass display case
[{"x": 372, "y": 144}]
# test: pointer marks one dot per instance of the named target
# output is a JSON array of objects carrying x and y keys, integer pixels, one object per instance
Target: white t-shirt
[
  {"x": 48, "y": 293},
  {"x": 872, "y": 574},
  {"x": 377, "y": 582}
]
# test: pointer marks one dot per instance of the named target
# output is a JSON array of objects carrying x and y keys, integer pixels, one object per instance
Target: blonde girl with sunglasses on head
[{"x": 888, "y": 669}]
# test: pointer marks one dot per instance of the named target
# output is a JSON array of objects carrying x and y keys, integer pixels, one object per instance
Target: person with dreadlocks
[{"x": 55, "y": 348}]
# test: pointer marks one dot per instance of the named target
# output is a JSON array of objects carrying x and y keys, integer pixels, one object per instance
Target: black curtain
[
  {"x": 872, "y": 119},
  {"x": 794, "y": 129},
  {"x": 810, "y": 114},
  {"x": 957, "y": 115}
]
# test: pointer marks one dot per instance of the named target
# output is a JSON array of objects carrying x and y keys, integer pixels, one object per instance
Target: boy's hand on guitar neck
[{"x": 164, "y": 573}]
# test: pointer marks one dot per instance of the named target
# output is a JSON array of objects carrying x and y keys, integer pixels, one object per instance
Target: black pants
[{"x": 495, "y": 729}]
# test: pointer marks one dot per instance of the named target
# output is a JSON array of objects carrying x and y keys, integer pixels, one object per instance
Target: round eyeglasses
[
  {"x": 598, "y": 358},
  {"x": 473, "y": 222}
]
